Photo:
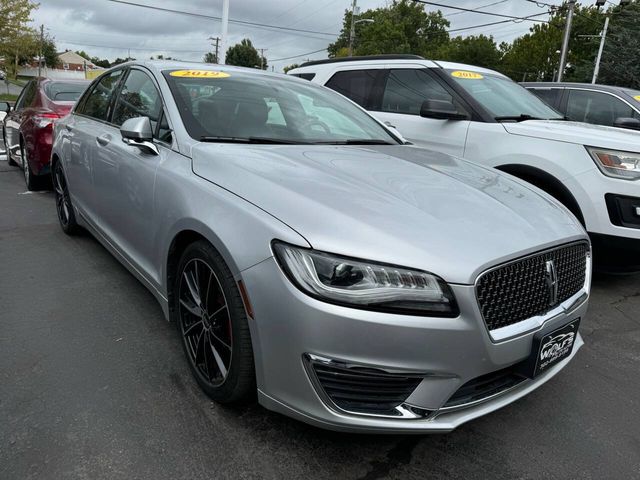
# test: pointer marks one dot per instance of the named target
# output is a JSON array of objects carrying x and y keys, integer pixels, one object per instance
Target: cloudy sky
[{"x": 108, "y": 29}]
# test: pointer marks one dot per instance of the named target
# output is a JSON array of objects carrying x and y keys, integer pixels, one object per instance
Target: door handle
[{"x": 103, "y": 140}]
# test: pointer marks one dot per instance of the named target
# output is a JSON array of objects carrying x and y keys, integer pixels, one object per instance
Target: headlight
[
  {"x": 364, "y": 284},
  {"x": 617, "y": 164}
]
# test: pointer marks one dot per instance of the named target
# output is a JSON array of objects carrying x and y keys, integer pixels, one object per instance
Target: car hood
[
  {"x": 578, "y": 133},
  {"x": 395, "y": 204}
]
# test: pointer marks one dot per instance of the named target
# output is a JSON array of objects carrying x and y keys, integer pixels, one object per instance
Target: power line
[
  {"x": 496, "y": 23},
  {"x": 483, "y": 6},
  {"x": 298, "y": 56},
  {"x": 476, "y": 11},
  {"x": 213, "y": 17}
]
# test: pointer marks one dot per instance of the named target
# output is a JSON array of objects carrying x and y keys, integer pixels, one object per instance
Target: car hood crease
[{"x": 395, "y": 204}]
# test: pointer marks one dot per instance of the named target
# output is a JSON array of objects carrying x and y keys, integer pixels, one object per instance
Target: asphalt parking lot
[{"x": 93, "y": 384}]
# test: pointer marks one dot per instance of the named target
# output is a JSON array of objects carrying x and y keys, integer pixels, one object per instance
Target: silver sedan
[{"x": 306, "y": 253}]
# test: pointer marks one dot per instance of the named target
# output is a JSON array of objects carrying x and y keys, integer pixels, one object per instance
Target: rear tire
[
  {"x": 66, "y": 216},
  {"x": 33, "y": 182},
  {"x": 10, "y": 160},
  {"x": 212, "y": 324}
]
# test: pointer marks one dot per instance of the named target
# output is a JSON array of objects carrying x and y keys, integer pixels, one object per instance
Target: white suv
[{"x": 481, "y": 115}]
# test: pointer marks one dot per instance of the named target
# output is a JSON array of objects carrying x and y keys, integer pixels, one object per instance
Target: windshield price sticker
[
  {"x": 199, "y": 74},
  {"x": 637, "y": 97},
  {"x": 466, "y": 75}
]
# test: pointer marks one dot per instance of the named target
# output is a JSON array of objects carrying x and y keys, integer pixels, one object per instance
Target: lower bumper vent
[
  {"x": 357, "y": 389},
  {"x": 485, "y": 386}
]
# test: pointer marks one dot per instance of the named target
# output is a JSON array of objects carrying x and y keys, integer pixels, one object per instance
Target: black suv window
[
  {"x": 596, "y": 107},
  {"x": 407, "y": 89},
  {"x": 547, "y": 95},
  {"x": 358, "y": 85},
  {"x": 97, "y": 102}
]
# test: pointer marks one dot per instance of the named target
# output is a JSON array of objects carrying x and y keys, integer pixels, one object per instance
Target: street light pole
[
  {"x": 225, "y": 27},
  {"x": 352, "y": 33},
  {"x": 565, "y": 40},
  {"x": 603, "y": 35}
]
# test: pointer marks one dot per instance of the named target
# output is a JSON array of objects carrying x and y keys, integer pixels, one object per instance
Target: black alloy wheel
[
  {"x": 64, "y": 208},
  {"x": 212, "y": 323}
]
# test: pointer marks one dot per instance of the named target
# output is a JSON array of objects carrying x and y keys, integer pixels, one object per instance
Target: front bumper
[{"x": 448, "y": 352}]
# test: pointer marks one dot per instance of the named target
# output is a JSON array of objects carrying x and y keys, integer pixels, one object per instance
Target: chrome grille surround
[{"x": 514, "y": 297}]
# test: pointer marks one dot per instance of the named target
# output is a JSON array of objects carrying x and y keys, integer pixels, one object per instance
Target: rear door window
[
  {"x": 361, "y": 86},
  {"x": 596, "y": 107},
  {"x": 97, "y": 103}
]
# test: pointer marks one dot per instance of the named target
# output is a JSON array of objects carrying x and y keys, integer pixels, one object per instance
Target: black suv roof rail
[{"x": 363, "y": 57}]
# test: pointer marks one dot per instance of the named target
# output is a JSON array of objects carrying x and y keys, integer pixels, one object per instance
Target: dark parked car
[
  {"x": 28, "y": 127},
  {"x": 597, "y": 104}
]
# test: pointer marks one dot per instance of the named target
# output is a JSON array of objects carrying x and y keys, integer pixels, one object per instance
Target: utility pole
[
  {"x": 565, "y": 40},
  {"x": 217, "y": 40},
  {"x": 603, "y": 35},
  {"x": 225, "y": 28},
  {"x": 352, "y": 33},
  {"x": 262, "y": 50},
  {"x": 41, "y": 49}
]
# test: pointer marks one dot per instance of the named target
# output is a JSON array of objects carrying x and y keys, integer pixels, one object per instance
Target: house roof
[{"x": 73, "y": 58}]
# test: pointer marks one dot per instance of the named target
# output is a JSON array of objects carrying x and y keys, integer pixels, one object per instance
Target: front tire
[
  {"x": 66, "y": 216},
  {"x": 212, "y": 323}
]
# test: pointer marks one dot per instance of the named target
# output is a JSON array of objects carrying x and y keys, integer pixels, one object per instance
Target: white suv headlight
[
  {"x": 364, "y": 284},
  {"x": 617, "y": 164}
]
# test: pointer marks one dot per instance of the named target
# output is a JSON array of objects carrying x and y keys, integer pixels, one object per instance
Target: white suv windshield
[
  {"x": 239, "y": 106},
  {"x": 503, "y": 98}
]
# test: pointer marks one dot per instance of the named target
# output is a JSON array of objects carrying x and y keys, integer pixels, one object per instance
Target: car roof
[
  {"x": 591, "y": 86},
  {"x": 159, "y": 66},
  {"x": 376, "y": 60}
]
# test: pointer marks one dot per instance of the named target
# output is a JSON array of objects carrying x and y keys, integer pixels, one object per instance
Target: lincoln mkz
[{"x": 307, "y": 253}]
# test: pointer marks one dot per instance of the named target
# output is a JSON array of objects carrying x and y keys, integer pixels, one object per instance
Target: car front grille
[
  {"x": 520, "y": 289},
  {"x": 364, "y": 390},
  {"x": 485, "y": 386}
]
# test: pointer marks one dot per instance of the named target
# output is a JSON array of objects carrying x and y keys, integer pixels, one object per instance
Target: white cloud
[{"x": 107, "y": 29}]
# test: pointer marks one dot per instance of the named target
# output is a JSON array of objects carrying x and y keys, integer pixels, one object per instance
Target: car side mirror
[
  {"x": 137, "y": 132},
  {"x": 5, "y": 107},
  {"x": 624, "y": 122},
  {"x": 441, "y": 110}
]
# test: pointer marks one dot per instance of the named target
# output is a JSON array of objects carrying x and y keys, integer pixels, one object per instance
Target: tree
[
  {"x": 84, "y": 55},
  {"x": 50, "y": 53},
  {"x": 244, "y": 54},
  {"x": 290, "y": 67},
  {"x": 119, "y": 60},
  {"x": 476, "y": 50},
  {"x": 210, "y": 57},
  {"x": 17, "y": 41},
  {"x": 535, "y": 55},
  {"x": 104, "y": 63},
  {"x": 619, "y": 65},
  {"x": 401, "y": 27}
]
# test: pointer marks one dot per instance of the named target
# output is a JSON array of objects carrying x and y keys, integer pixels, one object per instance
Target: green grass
[{"x": 7, "y": 97}]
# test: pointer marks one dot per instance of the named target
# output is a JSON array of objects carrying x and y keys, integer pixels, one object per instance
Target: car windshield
[
  {"x": 635, "y": 94},
  {"x": 503, "y": 98},
  {"x": 233, "y": 106},
  {"x": 64, "y": 91}
]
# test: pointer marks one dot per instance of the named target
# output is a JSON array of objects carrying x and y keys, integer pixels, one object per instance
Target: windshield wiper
[
  {"x": 518, "y": 118},
  {"x": 523, "y": 116},
  {"x": 264, "y": 140},
  {"x": 357, "y": 141}
]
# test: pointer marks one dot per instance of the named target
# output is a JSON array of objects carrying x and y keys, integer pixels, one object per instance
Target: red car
[{"x": 28, "y": 127}]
